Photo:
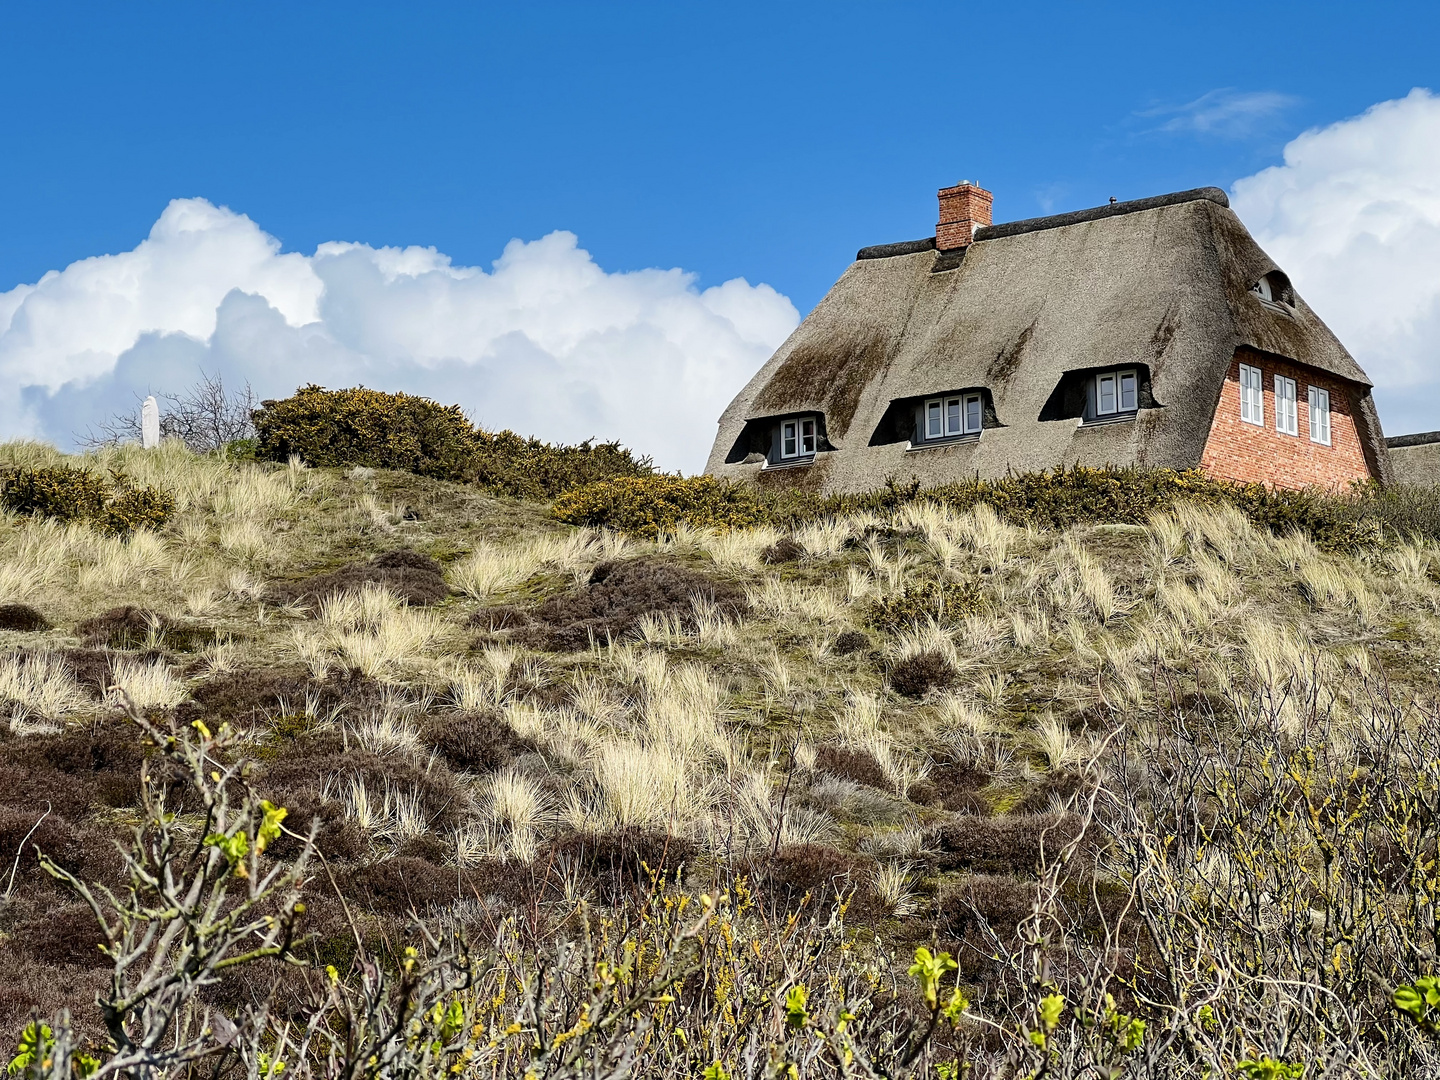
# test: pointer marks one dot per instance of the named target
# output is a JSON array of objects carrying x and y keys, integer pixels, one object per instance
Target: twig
[{"x": 21, "y": 850}]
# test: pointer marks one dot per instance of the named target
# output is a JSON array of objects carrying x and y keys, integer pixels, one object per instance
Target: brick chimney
[{"x": 963, "y": 209}]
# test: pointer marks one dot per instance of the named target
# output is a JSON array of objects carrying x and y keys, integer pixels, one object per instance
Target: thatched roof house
[{"x": 1153, "y": 332}]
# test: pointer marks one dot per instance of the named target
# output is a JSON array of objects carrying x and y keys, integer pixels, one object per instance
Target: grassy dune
[{"x": 1179, "y": 773}]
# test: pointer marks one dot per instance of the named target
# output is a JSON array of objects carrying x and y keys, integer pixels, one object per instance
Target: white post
[{"x": 150, "y": 423}]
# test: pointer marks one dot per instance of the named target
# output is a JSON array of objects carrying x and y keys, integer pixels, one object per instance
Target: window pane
[
  {"x": 787, "y": 440},
  {"x": 972, "y": 413},
  {"x": 952, "y": 416},
  {"x": 1319, "y": 415},
  {"x": 1127, "y": 391},
  {"x": 1285, "y": 406},
  {"x": 807, "y": 436},
  {"x": 1105, "y": 396},
  {"x": 1252, "y": 396},
  {"x": 932, "y": 425}
]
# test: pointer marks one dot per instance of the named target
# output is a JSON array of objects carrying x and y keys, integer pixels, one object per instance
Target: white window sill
[
  {"x": 1106, "y": 421},
  {"x": 789, "y": 463},
  {"x": 939, "y": 444},
  {"x": 1275, "y": 305}
]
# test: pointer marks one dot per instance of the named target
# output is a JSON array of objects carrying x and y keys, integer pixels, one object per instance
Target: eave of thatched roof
[{"x": 1164, "y": 283}]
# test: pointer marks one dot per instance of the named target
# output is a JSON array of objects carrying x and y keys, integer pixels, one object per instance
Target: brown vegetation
[{"x": 1040, "y": 749}]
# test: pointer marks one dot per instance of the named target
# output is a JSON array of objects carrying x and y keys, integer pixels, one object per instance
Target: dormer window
[
  {"x": 797, "y": 439},
  {"x": 1116, "y": 394},
  {"x": 953, "y": 417},
  {"x": 777, "y": 442},
  {"x": 1274, "y": 288}
]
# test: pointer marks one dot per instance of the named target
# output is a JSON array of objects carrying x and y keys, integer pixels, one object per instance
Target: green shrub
[
  {"x": 943, "y": 601},
  {"x": 414, "y": 434},
  {"x": 59, "y": 492},
  {"x": 530, "y": 469},
  {"x": 115, "y": 506},
  {"x": 366, "y": 427},
  {"x": 1408, "y": 512},
  {"x": 647, "y": 505},
  {"x": 132, "y": 508},
  {"x": 1050, "y": 500}
]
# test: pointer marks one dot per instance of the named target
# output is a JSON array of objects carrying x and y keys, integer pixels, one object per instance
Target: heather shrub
[
  {"x": 611, "y": 604},
  {"x": 1004, "y": 845},
  {"x": 786, "y": 549},
  {"x": 379, "y": 430},
  {"x": 915, "y": 676},
  {"x": 850, "y": 642},
  {"x": 622, "y": 857},
  {"x": 858, "y": 766},
  {"x": 954, "y": 787},
  {"x": 22, "y": 617},
  {"x": 475, "y": 742},
  {"x": 416, "y": 579},
  {"x": 115, "y": 506},
  {"x": 130, "y": 627},
  {"x": 810, "y": 869},
  {"x": 650, "y": 505}
]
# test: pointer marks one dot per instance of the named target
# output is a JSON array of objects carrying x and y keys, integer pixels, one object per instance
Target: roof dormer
[{"x": 1275, "y": 288}]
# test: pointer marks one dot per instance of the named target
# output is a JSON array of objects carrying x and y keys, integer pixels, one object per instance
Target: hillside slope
[{"x": 1049, "y": 753}]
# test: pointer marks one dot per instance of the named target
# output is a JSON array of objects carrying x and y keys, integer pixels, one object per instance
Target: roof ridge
[
  {"x": 1420, "y": 438},
  {"x": 1075, "y": 217}
]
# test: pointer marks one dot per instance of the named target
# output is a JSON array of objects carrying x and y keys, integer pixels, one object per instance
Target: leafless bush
[{"x": 206, "y": 417}]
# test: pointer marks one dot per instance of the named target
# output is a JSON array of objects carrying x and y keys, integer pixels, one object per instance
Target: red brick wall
[{"x": 1236, "y": 450}]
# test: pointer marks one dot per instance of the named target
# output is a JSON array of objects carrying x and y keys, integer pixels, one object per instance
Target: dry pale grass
[
  {"x": 792, "y": 601},
  {"x": 40, "y": 685},
  {"x": 146, "y": 685},
  {"x": 739, "y": 549},
  {"x": 517, "y": 808},
  {"x": 644, "y": 786},
  {"x": 827, "y": 538},
  {"x": 367, "y": 630},
  {"x": 492, "y": 568}
]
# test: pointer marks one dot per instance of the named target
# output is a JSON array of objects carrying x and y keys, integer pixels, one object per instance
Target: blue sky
[
  {"x": 760, "y": 140},
  {"x": 763, "y": 141}
]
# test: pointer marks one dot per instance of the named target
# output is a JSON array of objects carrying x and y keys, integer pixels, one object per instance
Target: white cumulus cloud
[
  {"x": 546, "y": 342},
  {"x": 1353, "y": 215}
]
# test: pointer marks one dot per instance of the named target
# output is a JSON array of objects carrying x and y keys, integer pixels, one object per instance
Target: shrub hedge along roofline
[{"x": 1360, "y": 518}]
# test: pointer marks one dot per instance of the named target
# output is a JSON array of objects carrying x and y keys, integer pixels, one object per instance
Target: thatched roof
[
  {"x": 1415, "y": 459},
  {"x": 1163, "y": 283}
]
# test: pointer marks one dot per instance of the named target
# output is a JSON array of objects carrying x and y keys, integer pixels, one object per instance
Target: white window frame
[
  {"x": 1117, "y": 380},
  {"x": 950, "y": 424},
  {"x": 802, "y": 435},
  {"x": 1252, "y": 395},
  {"x": 1287, "y": 406},
  {"x": 1320, "y": 407}
]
